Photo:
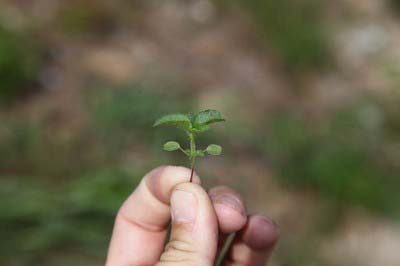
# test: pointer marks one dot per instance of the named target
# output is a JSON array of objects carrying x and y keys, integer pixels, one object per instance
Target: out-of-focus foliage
[
  {"x": 70, "y": 155},
  {"x": 80, "y": 17},
  {"x": 292, "y": 28},
  {"x": 125, "y": 115},
  {"x": 20, "y": 63},
  {"x": 347, "y": 156},
  {"x": 95, "y": 18},
  {"x": 395, "y": 4},
  {"x": 47, "y": 216}
]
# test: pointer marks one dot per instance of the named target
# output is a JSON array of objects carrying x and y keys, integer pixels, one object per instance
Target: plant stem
[
  {"x": 191, "y": 174},
  {"x": 224, "y": 251},
  {"x": 192, "y": 153}
]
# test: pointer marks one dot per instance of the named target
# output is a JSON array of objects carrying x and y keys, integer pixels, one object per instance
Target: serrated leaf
[
  {"x": 171, "y": 146},
  {"x": 200, "y": 128},
  {"x": 179, "y": 120},
  {"x": 207, "y": 117},
  {"x": 214, "y": 149}
]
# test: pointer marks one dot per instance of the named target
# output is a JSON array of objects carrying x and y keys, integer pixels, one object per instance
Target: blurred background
[{"x": 310, "y": 90}]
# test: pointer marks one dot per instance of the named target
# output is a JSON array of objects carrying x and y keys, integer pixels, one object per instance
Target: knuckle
[
  {"x": 176, "y": 245},
  {"x": 178, "y": 252}
]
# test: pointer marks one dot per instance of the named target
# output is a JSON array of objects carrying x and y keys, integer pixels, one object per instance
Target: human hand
[{"x": 200, "y": 224}]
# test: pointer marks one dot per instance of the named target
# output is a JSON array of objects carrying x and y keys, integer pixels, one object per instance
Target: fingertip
[
  {"x": 162, "y": 180},
  {"x": 255, "y": 242},
  {"x": 229, "y": 208},
  {"x": 224, "y": 190},
  {"x": 193, "y": 220},
  {"x": 192, "y": 187},
  {"x": 229, "y": 220},
  {"x": 260, "y": 232}
]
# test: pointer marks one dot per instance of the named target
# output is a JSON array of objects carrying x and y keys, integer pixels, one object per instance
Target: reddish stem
[{"x": 191, "y": 174}]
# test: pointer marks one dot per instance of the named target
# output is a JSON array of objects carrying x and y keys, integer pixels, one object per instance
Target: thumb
[{"x": 194, "y": 232}]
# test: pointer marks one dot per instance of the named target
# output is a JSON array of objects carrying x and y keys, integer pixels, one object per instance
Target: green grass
[
  {"x": 341, "y": 157},
  {"x": 21, "y": 59},
  {"x": 83, "y": 17},
  {"x": 395, "y": 4},
  {"x": 46, "y": 217},
  {"x": 125, "y": 115},
  {"x": 293, "y": 29}
]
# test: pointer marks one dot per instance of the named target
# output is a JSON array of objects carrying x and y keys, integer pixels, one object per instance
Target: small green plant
[{"x": 192, "y": 124}]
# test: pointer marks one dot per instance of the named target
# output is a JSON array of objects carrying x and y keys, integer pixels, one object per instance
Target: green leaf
[
  {"x": 207, "y": 117},
  {"x": 200, "y": 128},
  {"x": 199, "y": 153},
  {"x": 171, "y": 146},
  {"x": 179, "y": 120},
  {"x": 214, "y": 149}
]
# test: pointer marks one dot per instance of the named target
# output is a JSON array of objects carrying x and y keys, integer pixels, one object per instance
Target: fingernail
[
  {"x": 230, "y": 201},
  {"x": 268, "y": 220},
  {"x": 262, "y": 232},
  {"x": 183, "y": 207}
]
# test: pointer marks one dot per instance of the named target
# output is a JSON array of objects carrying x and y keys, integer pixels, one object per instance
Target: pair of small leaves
[
  {"x": 212, "y": 149},
  {"x": 193, "y": 123}
]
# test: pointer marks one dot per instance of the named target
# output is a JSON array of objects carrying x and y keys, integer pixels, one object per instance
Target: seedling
[{"x": 192, "y": 124}]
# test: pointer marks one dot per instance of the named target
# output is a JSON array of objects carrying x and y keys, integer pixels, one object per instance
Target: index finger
[{"x": 141, "y": 225}]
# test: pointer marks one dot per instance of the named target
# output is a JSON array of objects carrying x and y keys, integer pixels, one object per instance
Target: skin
[{"x": 201, "y": 222}]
